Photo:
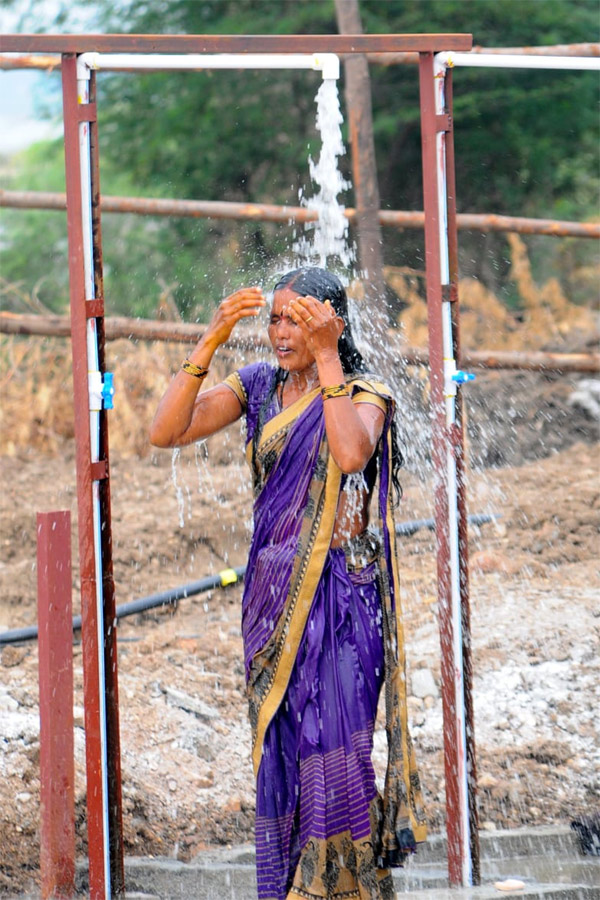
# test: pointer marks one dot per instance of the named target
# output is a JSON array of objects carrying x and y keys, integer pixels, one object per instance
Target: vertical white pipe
[
  {"x": 452, "y": 491},
  {"x": 93, "y": 364}
]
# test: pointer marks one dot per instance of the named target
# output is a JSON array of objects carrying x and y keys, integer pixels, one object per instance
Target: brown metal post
[
  {"x": 441, "y": 440},
  {"x": 463, "y": 540},
  {"x": 57, "y": 765},
  {"x": 103, "y": 789}
]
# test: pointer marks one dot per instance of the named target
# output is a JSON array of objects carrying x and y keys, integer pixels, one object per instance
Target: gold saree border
[
  {"x": 418, "y": 825},
  {"x": 300, "y": 604},
  {"x": 279, "y": 424}
]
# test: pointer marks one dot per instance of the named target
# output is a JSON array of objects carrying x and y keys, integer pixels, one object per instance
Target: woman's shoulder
[
  {"x": 251, "y": 381},
  {"x": 371, "y": 383}
]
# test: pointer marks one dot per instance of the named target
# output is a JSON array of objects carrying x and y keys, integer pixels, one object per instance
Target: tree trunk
[{"x": 364, "y": 170}]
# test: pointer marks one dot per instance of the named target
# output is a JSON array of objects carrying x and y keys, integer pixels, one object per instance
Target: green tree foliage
[{"x": 526, "y": 141}]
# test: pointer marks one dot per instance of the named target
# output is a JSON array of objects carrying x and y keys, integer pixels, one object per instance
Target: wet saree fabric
[{"x": 321, "y": 639}]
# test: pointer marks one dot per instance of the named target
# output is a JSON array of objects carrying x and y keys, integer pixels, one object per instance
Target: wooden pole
[
  {"x": 120, "y": 327},
  {"x": 364, "y": 168}
]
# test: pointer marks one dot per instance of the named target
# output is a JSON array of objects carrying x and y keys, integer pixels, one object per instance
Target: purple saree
[{"x": 321, "y": 638}]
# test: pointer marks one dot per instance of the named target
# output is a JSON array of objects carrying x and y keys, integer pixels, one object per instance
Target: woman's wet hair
[{"x": 324, "y": 285}]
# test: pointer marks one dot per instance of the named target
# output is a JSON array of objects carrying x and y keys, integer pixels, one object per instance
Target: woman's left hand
[{"x": 320, "y": 325}]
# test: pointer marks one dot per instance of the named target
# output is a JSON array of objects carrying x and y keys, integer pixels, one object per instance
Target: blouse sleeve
[
  {"x": 374, "y": 392},
  {"x": 235, "y": 383},
  {"x": 251, "y": 385}
]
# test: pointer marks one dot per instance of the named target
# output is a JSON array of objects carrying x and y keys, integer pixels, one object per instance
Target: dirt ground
[{"x": 187, "y": 777}]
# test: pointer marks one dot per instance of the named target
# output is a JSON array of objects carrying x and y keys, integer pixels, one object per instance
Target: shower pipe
[
  {"x": 383, "y": 59},
  {"x": 92, "y": 307},
  {"x": 98, "y": 607},
  {"x": 222, "y": 579},
  {"x": 448, "y": 451},
  {"x": 517, "y": 61}
]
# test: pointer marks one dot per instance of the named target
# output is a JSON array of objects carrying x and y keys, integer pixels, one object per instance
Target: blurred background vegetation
[{"x": 526, "y": 145}]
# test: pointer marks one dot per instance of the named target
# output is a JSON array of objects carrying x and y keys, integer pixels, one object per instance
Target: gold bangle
[
  {"x": 335, "y": 390},
  {"x": 192, "y": 369}
]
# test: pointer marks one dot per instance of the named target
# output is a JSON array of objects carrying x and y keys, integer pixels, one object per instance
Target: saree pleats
[{"x": 321, "y": 640}]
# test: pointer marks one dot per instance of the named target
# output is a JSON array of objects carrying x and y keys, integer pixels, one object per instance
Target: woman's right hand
[{"x": 242, "y": 304}]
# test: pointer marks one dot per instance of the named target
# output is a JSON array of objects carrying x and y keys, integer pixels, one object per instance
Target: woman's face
[{"x": 286, "y": 337}]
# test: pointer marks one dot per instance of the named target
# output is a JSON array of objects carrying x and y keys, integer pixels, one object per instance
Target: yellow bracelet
[
  {"x": 335, "y": 390},
  {"x": 192, "y": 369}
]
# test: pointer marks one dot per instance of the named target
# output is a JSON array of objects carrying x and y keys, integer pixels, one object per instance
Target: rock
[
  {"x": 510, "y": 884},
  {"x": 13, "y": 656},
  {"x": 205, "y": 781},
  {"x": 423, "y": 684},
  {"x": 486, "y": 562},
  {"x": 487, "y": 781},
  {"x": 8, "y": 703},
  {"x": 234, "y": 805},
  {"x": 172, "y": 785},
  {"x": 190, "y": 704},
  {"x": 414, "y": 704},
  {"x": 587, "y": 397}
]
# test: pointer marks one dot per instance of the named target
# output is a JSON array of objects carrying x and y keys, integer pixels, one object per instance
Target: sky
[{"x": 23, "y": 91}]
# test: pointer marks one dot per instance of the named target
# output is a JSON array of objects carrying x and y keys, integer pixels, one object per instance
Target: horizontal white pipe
[
  {"x": 326, "y": 63},
  {"x": 516, "y": 61}
]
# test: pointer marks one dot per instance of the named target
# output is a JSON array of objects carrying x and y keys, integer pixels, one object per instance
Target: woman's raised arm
[
  {"x": 184, "y": 414},
  {"x": 353, "y": 431}
]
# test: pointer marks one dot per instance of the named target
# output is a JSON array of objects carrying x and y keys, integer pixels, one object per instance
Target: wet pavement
[{"x": 547, "y": 860}]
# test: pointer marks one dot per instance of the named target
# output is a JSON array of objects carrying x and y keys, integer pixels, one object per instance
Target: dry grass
[
  {"x": 485, "y": 322},
  {"x": 36, "y": 390}
]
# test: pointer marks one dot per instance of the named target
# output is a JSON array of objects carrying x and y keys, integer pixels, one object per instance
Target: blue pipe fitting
[
  {"x": 461, "y": 377},
  {"x": 108, "y": 390}
]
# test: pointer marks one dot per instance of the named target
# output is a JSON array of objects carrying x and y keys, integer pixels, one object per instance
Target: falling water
[
  {"x": 329, "y": 244},
  {"x": 179, "y": 490}
]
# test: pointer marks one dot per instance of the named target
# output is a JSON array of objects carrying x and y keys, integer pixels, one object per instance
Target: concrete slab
[{"x": 547, "y": 860}]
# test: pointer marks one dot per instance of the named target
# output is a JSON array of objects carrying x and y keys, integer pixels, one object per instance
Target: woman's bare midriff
[{"x": 351, "y": 519}]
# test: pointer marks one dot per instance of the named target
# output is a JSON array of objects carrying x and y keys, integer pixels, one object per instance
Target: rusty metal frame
[
  {"x": 445, "y": 440},
  {"x": 448, "y": 442},
  {"x": 57, "y": 760},
  {"x": 232, "y": 43},
  {"x": 104, "y": 806}
]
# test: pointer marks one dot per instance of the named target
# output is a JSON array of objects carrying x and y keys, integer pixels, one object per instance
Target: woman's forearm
[
  {"x": 182, "y": 415},
  {"x": 352, "y": 432},
  {"x": 175, "y": 411}
]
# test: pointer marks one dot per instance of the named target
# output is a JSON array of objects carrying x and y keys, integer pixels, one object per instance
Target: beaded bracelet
[
  {"x": 335, "y": 390},
  {"x": 192, "y": 369}
]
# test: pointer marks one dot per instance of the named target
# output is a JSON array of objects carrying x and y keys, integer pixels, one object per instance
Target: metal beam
[
  {"x": 383, "y": 59},
  {"x": 232, "y": 43}
]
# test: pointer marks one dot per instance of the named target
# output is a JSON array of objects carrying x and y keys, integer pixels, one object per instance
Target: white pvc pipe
[
  {"x": 452, "y": 492},
  {"x": 326, "y": 63},
  {"x": 517, "y": 61},
  {"x": 93, "y": 366}
]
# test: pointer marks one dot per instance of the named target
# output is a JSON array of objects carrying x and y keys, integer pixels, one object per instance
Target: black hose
[
  {"x": 415, "y": 525},
  {"x": 221, "y": 579},
  {"x": 164, "y": 598}
]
